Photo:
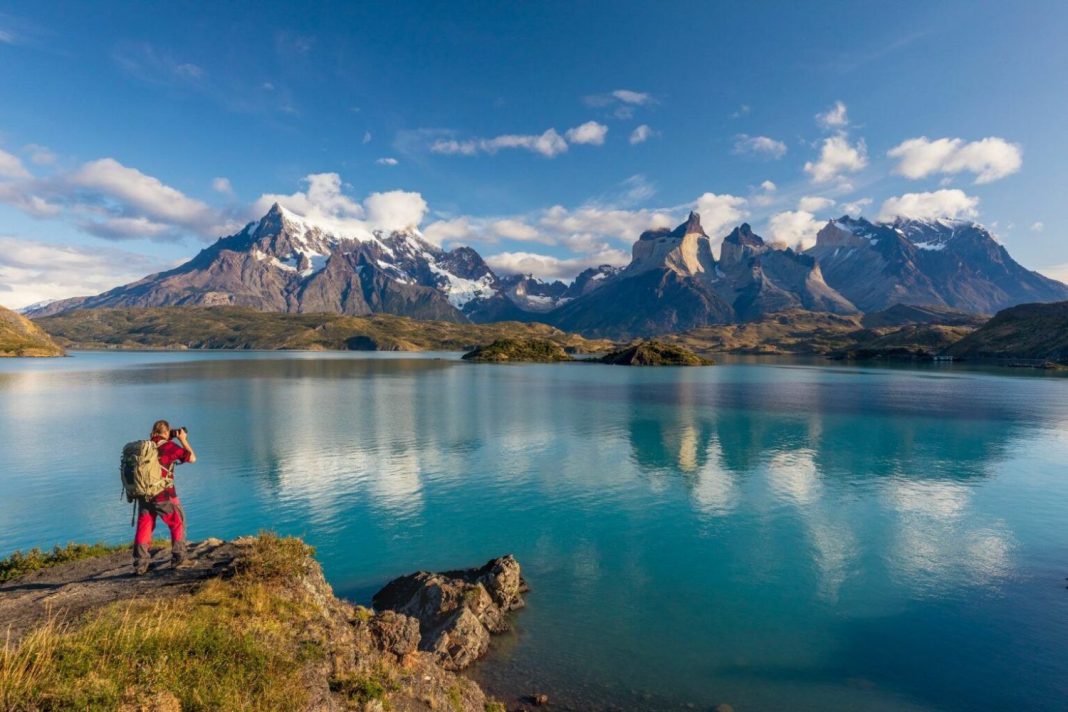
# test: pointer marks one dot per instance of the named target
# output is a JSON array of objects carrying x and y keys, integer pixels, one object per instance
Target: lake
[{"x": 768, "y": 535}]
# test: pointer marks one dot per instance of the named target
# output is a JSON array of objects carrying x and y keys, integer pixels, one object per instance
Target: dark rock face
[
  {"x": 457, "y": 610},
  {"x": 943, "y": 263},
  {"x": 674, "y": 283}
]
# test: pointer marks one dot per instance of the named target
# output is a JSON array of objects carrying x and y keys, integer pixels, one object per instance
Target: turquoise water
[{"x": 773, "y": 536}]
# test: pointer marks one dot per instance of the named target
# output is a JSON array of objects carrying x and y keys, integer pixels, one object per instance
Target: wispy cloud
[
  {"x": 759, "y": 145},
  {"x": 548, "y": 144}
]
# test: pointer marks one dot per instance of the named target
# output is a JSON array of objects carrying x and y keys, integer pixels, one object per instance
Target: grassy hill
[
  {"x": 240, "y": 328},
  {"x": 518, "y": 351},
  {"x": 1027, "y": 331},
  {"x": 21, "y": 337}
]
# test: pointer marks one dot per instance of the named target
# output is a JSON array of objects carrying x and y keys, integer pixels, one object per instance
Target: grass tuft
[
  {"x": 20, "y": 563},
  {"x": 230, "y": 645}
]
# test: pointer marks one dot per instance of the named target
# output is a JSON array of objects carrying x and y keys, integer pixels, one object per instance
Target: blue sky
[{"x": 546, "y": 135}]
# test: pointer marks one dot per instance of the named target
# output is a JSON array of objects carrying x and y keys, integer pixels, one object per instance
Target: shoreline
[{"x": 405, "y": 654}]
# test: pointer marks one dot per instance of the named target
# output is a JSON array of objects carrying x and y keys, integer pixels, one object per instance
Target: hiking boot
[
  {"x": 140, "y": 569},
  {"x": 182, "y": 564}
]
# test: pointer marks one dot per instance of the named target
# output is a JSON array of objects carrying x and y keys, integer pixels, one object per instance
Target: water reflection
[{"x": 739, "y": 513}]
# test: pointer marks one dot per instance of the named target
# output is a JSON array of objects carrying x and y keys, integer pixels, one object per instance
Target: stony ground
[{"x": 65, "y": 592}]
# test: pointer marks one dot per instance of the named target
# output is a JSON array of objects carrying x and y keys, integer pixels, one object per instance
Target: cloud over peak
[
  {"x": 951, "y": 203},
  {"x": 989, "y": 159}
]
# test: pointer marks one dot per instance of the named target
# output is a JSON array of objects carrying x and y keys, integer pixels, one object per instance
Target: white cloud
[
  {"x": 456, "y": 230},
  {"x": 32, "y": 271},
  {"x": 110, "y": 180},
  {"x": 548, "y": 267},
  {"x": 719, "y": 214},
  {"x": 628, "y": 96},
  {"x": 760, "y": 145},
  {"x": 625, "y": 96},
  {"x": 590, "y": 132},
  {"x": 395, "y": 210},
  {"x": 1037, "y": 226},
  {"x": 7, "y": 37},
  {"x": 794, "y": 228},
  {"x": 387, "y": 161},
  {"x": 834, "y": 118},
  {"x": 743, "y": 110},
  {"x": 939, "y": 204},
  {"x": 11, "y": 166},
  {"x": 989, "y": 159},
  {"x": 837, "y": 156},
  {"x": 322, "y": 202},
  {"x": 768, "y": 187},
  {"x": 641, "y": 134},
  {"x": 814, "y": 204},
  {"x": 125, "y": 228},
  {"x": 856, "y": 207},
  {"x": 548, "y": 144},
  {"x": 367, "y": 137},
  {"x": 512, "y": 229},
  {"x": 222, "y": 185}
]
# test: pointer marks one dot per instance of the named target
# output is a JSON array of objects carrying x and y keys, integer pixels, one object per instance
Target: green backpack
[{"x": 142, "y": 475}]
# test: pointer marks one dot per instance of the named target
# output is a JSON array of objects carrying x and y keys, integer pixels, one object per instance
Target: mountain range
[{"x": 674, "y": 282}]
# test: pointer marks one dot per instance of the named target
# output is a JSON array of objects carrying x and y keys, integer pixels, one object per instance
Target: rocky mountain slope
[
  {"x": 674, "y": 282},
  {"x": 943, "y": 263},
  {"x": 21, "y": 337},
  {"x": 1026, "y": 331}
]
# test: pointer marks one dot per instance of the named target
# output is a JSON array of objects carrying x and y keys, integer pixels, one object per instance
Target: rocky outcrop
[
  {"x": 457, "y": 611},
  {"x": 327, "y": 653}
]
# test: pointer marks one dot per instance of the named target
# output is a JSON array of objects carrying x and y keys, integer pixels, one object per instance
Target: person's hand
[{"x": 183, "y": 437}]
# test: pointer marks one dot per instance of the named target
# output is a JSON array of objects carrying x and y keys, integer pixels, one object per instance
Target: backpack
[{"x": 142, "y": 475}]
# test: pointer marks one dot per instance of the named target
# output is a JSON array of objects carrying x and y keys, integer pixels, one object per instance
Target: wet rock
[
  {"x": 540, "y": 699},
  {"x": 457, "y": 610}
]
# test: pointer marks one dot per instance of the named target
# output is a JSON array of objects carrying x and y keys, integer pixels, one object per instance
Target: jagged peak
[
  {"x": 692, "y": 226},
  {"x": 744, "y": 235}
]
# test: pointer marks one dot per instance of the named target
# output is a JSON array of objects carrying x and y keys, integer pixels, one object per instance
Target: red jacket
[{"x": 170, "y": 454}]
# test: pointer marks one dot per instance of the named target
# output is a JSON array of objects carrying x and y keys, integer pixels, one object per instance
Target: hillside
[
  {"x": 241, "y": 328},
  {"x": 1027, "y": 331},
  {"x": 805, "y": 333},
  {"x": 21, "y": 337}
]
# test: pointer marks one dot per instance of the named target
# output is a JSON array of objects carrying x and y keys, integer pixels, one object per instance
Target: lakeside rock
[
  {"x": 654, "y": 353},
  {"x": 83, "y": 626},
  {"x": 457, "y": 611},
  {"x": 518, "y": 351}
]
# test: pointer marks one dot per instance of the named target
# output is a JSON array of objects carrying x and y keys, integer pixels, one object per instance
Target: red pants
[{"x": 172, "y": 514}]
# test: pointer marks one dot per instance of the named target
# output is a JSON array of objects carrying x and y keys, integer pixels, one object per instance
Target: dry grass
[{"x": 231, "y": 645}]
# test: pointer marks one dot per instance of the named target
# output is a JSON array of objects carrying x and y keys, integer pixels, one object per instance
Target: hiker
[{"x": 164, "y": 503}]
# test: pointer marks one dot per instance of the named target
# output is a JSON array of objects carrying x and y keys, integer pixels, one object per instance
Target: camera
[{"x": 176, "y": 431}]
